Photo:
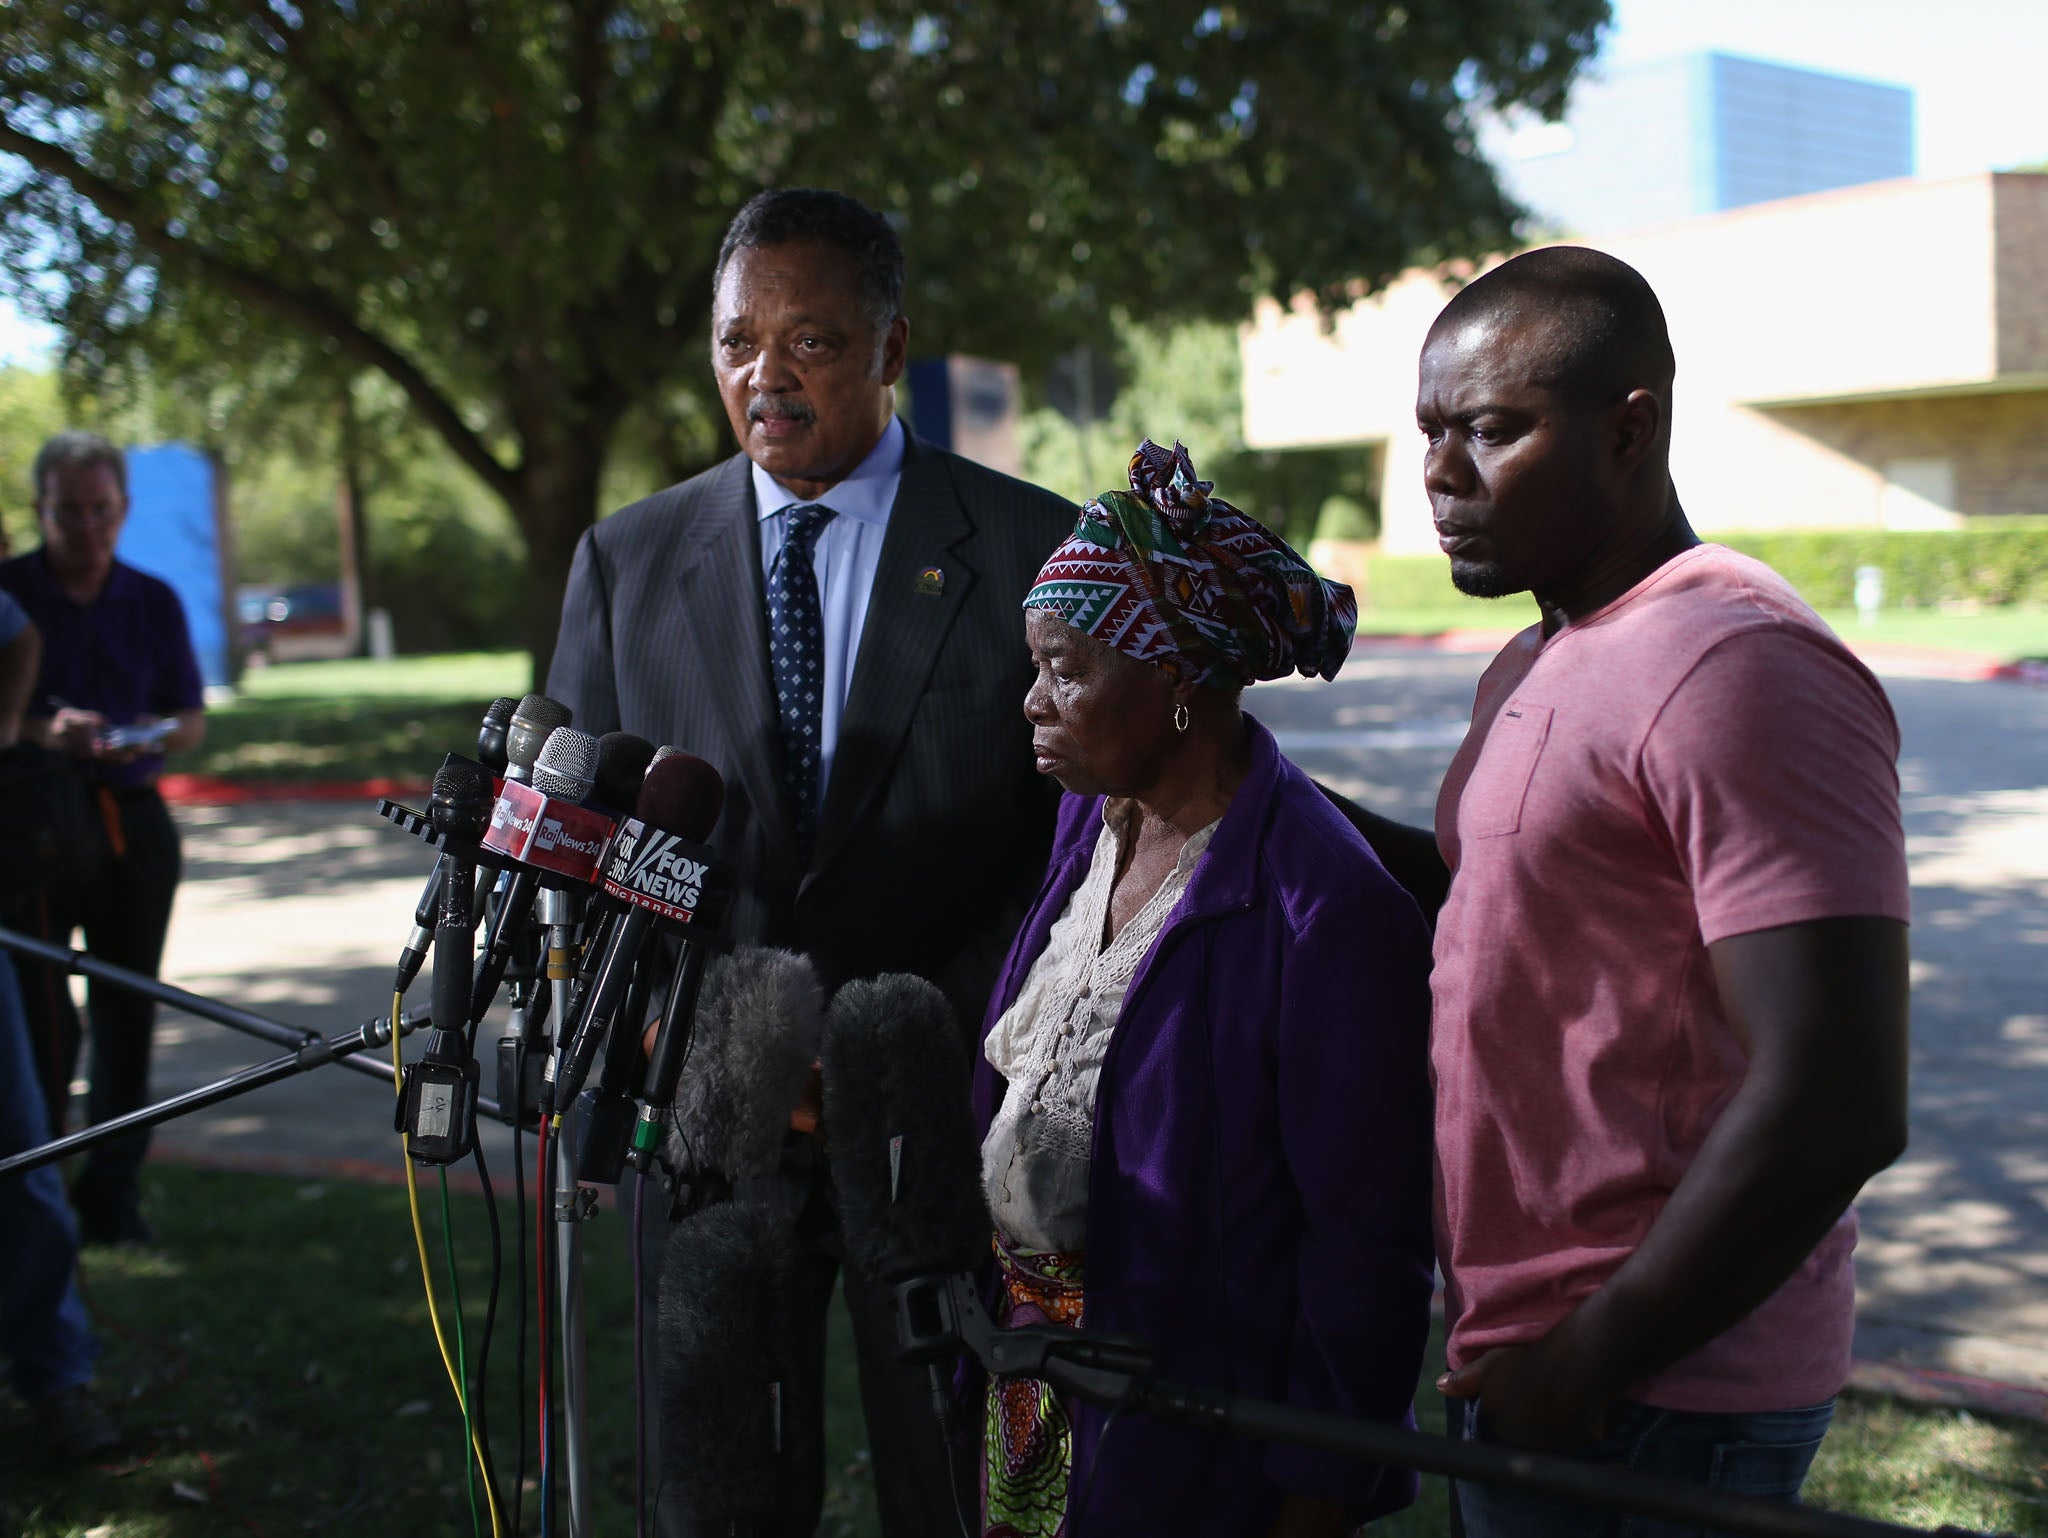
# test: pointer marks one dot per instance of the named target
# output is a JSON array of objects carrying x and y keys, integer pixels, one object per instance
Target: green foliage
[
  {"x": 512, "y": 210},
  {"x": 1345, "y": 517},
  {"x": 1992, "y": 562},
  {"x": 30, "y": 411},
  {"x": 1413, "y": 582},
  {"x": 1989, "y": 564},
  {"x": 1183, "y": 382}
]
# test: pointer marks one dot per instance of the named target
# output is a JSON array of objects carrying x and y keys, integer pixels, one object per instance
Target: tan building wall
[
  {"x": 1996, "y": 446},
  {"x": 1787, "y": 319}
]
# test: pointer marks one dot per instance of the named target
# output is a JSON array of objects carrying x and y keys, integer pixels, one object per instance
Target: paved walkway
[{"x": 298, "y": 909}]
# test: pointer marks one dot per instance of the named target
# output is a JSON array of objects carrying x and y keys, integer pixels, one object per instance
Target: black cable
[
  {"x": 480, "y": 1398},
  {"x": 519, "y": 1270},
  {"x": 550, "y": 1262}
]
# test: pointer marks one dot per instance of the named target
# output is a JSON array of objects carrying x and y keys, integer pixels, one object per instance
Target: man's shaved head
[
  {"x": 1544, "y": 392},
  {"x": 1591, "y": 329}
]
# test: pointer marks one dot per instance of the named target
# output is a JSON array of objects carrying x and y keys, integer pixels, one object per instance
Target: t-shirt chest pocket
[{"x": 1491, "y": 803}]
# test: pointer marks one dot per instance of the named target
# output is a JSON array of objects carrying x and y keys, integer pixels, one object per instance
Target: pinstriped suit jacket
[{"x": 934, "y": 828}]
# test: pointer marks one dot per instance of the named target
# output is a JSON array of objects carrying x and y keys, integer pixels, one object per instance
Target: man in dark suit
[{"x": 832, "y": 619}]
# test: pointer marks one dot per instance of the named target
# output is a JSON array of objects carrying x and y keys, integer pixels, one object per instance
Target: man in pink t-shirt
[{"x": 1669, "y": 1038}]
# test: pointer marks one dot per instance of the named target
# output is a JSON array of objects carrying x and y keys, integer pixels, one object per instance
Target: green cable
[{"x": 461, "y": 1361}]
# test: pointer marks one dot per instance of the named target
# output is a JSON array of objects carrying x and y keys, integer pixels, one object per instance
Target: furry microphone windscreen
[
  {"x": 756, "y": 1036},
  {"x": 899, "y": 1127},
  {"x": 725, "y": 1362}
]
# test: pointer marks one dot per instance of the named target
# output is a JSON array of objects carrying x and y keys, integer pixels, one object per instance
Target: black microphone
[
  {"x": 490, "y": 742},
  {"x": 437, "y": 1110},
  {"x": 490, "y": 749},
  {"x": 622, "y": 761},
  {"x": 899, "y": 1119},
  {"x": 757, "y": 1034},
  {"x": 725, "y": 1455},
  {"x": 658, "y": 870},
  {"x": 534, "y": 718}
]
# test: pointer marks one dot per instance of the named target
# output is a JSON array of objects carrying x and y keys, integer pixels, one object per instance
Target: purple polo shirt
[{"x": 126, "y": 654}]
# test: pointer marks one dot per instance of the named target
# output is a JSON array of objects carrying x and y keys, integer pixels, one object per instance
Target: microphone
[
  {"x": 757, "y": 1034},
  {"x": 490, "y": 742},
  {"x": 437, "y": 1109},
  {"x": 490, "y": 749},
  {"x": 622, "y": 763},
  {"x": 534, "y": 718},
  {"x": 532, "y": 824},
  {"x": 726, "y": 1285},
  {"x": 657, "y": 870},
  {"x": 900, "y": 1120}
]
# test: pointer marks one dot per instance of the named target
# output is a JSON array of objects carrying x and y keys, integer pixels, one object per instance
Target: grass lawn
[
  {"x": 272, "y": 1358},
  {"x": 355, "y": 720}
]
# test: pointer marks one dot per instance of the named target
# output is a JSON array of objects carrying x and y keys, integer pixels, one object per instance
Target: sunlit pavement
[{"x": 297, "y": 910}]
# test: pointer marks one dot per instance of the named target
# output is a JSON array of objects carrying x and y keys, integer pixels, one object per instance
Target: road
[{"x": 297, "y": 910}]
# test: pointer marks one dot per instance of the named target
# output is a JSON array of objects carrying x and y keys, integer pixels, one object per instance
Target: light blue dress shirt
[{"x": 847, "y": 555}]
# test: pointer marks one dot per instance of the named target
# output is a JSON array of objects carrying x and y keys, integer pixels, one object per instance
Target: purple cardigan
[{"x": 1259, "y": 1196}]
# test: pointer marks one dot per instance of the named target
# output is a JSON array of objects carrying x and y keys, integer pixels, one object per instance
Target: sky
[{"x": 1976, "y": 68}]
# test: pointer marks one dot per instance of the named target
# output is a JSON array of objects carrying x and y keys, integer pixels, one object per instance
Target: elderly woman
[{"x": 1204, "y": 1084}]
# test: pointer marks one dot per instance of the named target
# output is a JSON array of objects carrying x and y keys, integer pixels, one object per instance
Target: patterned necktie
[{"x": 796, "y": 655}]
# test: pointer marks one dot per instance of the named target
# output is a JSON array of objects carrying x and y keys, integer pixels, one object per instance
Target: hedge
[{"x": 1992, "y": 564}]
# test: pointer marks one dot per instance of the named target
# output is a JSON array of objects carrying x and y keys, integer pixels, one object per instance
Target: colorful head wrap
[{"x": 1169, "y": 574}]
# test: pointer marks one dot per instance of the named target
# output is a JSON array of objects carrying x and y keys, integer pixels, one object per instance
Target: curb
[
  {"x": 2028, "y": 670},
  {"x": 1949, "y": 1390},
  {"x": 212, "y": 790}
]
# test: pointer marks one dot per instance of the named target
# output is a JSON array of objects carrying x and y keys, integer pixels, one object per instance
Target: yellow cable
[{"x": 419, "y": 1234}]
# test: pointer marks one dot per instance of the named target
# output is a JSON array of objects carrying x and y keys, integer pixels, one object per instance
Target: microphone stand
[
  {"x": 559, "y": 910},
  {"x": 317, "y": 1051},
  {"x": 308, "y": 1049},
  {"x": 940, "y": 1316}
]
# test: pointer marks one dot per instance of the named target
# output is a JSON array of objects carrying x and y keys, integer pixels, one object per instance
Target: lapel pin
[{"x": 931, "y": 582}]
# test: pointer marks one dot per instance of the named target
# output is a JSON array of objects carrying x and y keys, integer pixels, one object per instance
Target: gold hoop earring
[{"x": 1180, "y": 718}]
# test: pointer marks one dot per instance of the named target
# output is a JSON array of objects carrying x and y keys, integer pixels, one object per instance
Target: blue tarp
[{"x": 173, "y": 533}]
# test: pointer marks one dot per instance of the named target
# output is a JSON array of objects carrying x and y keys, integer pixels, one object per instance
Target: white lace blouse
[{"x": 1049, "y": 1046}]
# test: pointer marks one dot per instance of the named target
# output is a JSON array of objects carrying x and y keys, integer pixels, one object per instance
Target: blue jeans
[
  {"x": 1764, "y": 1453},
  {"x": 43, "y": 1330}
]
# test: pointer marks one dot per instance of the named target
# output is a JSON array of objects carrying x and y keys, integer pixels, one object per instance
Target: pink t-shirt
[{"x": 1701, "y": 758}]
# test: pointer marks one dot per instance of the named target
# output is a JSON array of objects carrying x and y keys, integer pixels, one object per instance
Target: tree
[{"x": 512, "y": 210}]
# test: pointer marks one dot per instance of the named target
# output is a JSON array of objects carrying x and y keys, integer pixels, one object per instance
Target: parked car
[{"x": 301, "y": 623}]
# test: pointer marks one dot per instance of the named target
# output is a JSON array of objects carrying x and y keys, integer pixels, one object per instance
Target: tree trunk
[
  {"x": 557, "y": 501},
  {"x": 353, "y": 530}
]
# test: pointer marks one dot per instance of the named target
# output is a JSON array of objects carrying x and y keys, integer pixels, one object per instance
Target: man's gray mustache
[{"x": 768, "y": 406}]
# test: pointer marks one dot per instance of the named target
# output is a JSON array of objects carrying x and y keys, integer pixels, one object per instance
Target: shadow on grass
[{"x": 273, "y": 1363}]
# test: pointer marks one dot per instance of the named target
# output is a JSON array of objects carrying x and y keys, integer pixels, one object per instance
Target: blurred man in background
[{"x": 117, "y": 689}]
